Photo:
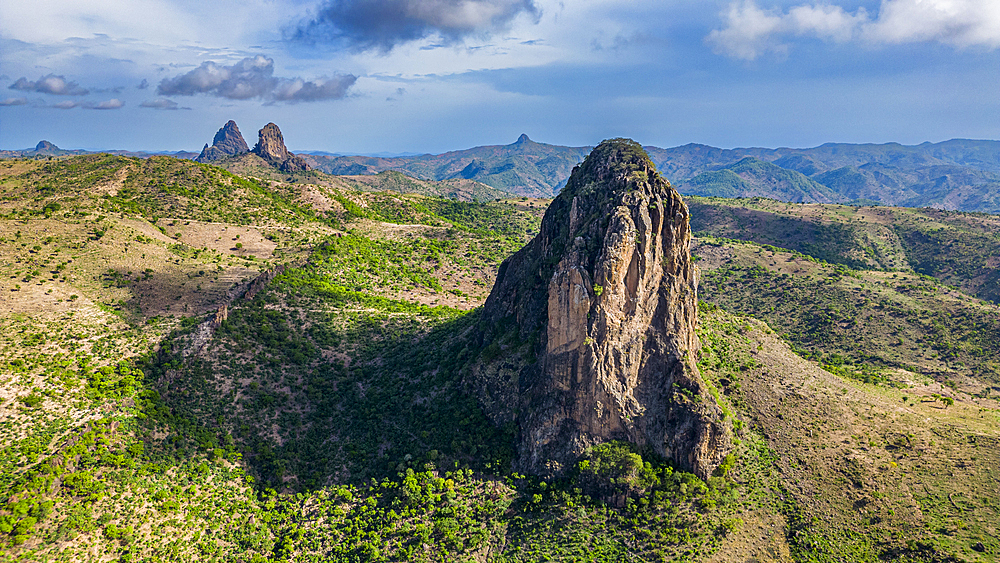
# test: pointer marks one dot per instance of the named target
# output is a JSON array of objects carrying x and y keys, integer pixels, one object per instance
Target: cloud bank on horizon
[{"x": 425, "y": 75}]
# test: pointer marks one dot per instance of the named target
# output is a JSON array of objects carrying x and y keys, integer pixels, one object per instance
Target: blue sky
[{"x": 368, "y": 76}]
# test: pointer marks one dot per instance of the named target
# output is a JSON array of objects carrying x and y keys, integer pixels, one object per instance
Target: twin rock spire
[{"x": 270, "y": 146}]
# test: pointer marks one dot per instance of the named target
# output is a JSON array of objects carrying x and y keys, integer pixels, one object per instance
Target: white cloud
[
  {"x": 113, "y": 103},
  {"x": 160, "y": 103},
  {"x": 253, "y": 77},
  {"x": 962, "y": 23},
  {"x": 750, "y": 31},
  {"x": 51, "y": 84},
  {"x": 826, "y": 21}
]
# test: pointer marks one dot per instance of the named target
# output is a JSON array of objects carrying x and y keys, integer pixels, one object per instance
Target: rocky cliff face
[
  {"x": 588, "y": 333},
  {"x": 227, "y": 142},
  {"x": 271, "y": 147}
]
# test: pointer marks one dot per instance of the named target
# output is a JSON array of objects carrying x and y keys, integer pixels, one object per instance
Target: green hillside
[
  {"x": 199, "y": 366},
  {"x": 752, "y": 177},
  {"x": 957, "y": 249}
]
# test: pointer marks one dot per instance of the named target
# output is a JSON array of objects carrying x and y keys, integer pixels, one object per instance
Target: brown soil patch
[
  {"x": 44, "y": 298},
  {"x": 116, "y": 183},
  {"x": 220, "y": 237},
  {"x": 313, "y": 196},
  {"x": 760, "y": 539}
]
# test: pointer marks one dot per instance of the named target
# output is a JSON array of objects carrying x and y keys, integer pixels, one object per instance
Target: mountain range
[{"x": 959, "y": 174}]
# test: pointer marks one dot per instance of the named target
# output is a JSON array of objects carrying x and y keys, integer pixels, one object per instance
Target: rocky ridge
[
  {"x": 271, "y": 147},
  {"x": 589, "y": 331},
  {"x": 228, "y": 141}
]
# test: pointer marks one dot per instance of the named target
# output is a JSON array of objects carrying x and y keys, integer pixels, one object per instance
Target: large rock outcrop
[
  {"x": 46, "y": 148},
  {"x": 589, "y": 331},
  {"x": 271, "y": 147},
  {"x": 227, "y": 142}
]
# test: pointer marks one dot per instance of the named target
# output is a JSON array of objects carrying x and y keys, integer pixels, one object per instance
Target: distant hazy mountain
[
  {"x": 959, "y": 174},
  {"x": 523, "y": 167},
  {"x": 757, "y": 178},
  {"x": 45, "y": 148}
]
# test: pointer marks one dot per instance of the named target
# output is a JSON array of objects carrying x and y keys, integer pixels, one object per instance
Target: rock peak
[
  {"x": 615, "y": 162},
  {"x": 597, "y": 316},
  {"x": 45, "y": 146},
  {"x": 522, "y": 139},
  {"x": 271, "y": 147},
  {"x": 228, "y": 141}
]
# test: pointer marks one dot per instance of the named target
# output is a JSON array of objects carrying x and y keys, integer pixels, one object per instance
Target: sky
[{"x": 429, "y": 76}]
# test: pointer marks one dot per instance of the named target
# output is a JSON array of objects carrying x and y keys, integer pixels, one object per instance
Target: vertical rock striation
[
  {"x": 271, "y": 147},
  {"x": 227, "y": 142},
  {"x": 589, "y": 331}
]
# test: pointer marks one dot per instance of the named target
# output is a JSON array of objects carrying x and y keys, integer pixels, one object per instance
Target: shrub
[
  {"x": 33, "y": 400},
  {"x": 614, "y": 469}
]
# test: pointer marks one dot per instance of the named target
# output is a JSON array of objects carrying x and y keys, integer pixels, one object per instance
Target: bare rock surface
[
  {"x": 228, "y": 141},
  {"x": 271, "y": 147},
  {"x": 589, "y": 332}
]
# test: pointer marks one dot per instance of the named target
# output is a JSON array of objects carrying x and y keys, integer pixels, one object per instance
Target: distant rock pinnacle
[
  {"x": 271, "y": 147},
  {"x": 227, "y": 142},
  {"x": 592, "y": 325},
  {"x": 45, "y": 147}
]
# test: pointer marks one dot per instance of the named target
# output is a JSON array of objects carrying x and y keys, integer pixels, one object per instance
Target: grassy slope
[
  {"x": 252, "y": 166},
  {"x": 883, "y": 449},
  {"x": 866, "y": 472},
  {"x": 957, "y": 248},
  {"x": 852, "y": 318},
  {"x": 753, "y": 177}
]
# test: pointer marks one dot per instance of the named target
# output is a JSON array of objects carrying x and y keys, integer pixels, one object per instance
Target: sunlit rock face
[
  {"x": 271, "y": 147},
  {"x": 591, "y": 326}
]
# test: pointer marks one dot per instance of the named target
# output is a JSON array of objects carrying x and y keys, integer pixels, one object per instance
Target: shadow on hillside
[
  {"x": 831, "y": 242},
  {"x": 307, "y": 398}
]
